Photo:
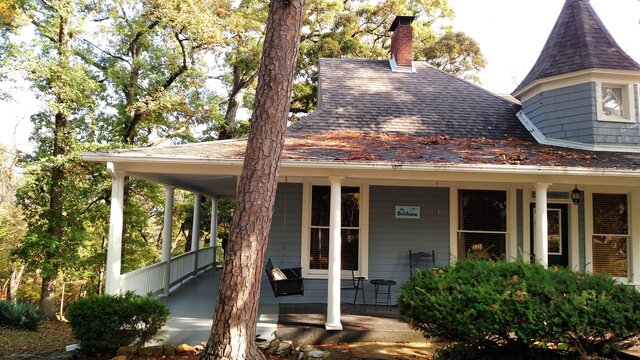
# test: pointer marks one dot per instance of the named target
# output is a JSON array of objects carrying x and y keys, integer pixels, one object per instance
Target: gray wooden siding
[
  {"x": 520, "y": 217},
  {"x": 390, "y": 239},
  {"x": 567, "y": 113},
  {"x": 570, "y": 113},
  {"x": 581, "y": 237},
  {"x": 284, "y": 238}
]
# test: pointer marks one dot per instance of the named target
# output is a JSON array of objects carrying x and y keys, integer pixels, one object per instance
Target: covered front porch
[{"x": 332, "y": 218}]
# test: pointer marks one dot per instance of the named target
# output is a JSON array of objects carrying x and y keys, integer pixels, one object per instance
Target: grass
[{"x": 52, "y": 336}]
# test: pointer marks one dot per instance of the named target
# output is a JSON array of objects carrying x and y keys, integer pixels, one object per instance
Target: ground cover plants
[
  {"x": 20, "y": 315},
  {"x": 494, "y": 307}
]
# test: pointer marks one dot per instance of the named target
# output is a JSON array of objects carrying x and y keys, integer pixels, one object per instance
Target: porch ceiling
[{"x": 212, "y": 185}]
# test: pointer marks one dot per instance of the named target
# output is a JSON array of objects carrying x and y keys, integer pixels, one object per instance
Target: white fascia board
[{"x": 542, "y": 139}]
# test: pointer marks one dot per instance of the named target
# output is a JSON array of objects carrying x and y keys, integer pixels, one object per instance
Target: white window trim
[
  {"x": 305, "y": 236},
  {"x": 628, "y": 97}
]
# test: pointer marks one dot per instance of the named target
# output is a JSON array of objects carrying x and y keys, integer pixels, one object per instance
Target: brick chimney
[{"x": 402, "y": 41}]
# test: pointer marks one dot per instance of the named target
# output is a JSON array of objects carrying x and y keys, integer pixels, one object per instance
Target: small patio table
[{"x": 381, "y": 282}]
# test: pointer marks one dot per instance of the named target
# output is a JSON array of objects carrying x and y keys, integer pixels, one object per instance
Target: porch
[
  {"x": 330, "y": 220},
  {"x": 190, "y": 321}
]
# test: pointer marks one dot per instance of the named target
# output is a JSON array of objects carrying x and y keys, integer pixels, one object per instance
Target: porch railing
[{"x": 149, "y": 279}]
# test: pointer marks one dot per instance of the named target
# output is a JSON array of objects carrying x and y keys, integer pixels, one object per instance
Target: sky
[{"x": 511, "y": 34}]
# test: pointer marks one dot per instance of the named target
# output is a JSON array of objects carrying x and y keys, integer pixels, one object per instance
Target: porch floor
[
  {"x": 304, "y": 324},
  {"x": 192, "y": 306}
]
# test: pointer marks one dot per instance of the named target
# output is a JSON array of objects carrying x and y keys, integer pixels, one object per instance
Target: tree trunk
[
  {"x": 48, "y": 297},
  {"x": 234, "y": 323},
  {"x": 14, "y": 283},
  {"x": 55, "y": 218},
  {"x": 228, "y": 131}
]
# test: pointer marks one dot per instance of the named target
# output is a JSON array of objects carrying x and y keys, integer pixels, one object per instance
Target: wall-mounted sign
[{"x": 407, "y": 212}]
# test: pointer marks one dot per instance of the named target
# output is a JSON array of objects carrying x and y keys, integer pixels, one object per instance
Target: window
[
  {"x": 612, "y": 101},
  {"x": 610, "y": 234},
  {"x": 350, "y": 228},
  {"x": 482, "y": 223},
  {"x": 615, "y": 102}
]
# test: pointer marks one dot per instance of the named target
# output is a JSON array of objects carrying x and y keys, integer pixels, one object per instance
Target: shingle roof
[
  {"x": 365, "y": 96},
  {"x": 578, "y": 41}
]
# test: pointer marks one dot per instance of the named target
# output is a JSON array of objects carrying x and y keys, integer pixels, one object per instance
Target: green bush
[
  {"x": 477, "y": 301},
  {"x": 103, "y": 323},
  {"x": 20, "y": 315}
]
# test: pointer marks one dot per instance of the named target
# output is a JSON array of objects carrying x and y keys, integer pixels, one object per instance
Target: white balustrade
[
  {"x": 149, "y": 280},
  {"x": 143, "y": 281}
]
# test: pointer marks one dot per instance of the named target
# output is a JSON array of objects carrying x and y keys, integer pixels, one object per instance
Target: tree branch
[{"x": 106, "y": 53}]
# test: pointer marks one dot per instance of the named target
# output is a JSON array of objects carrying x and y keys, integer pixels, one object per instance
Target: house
[{"x": 415, "y": 159}]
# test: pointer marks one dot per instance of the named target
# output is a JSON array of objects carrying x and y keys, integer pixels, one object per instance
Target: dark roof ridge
[{"x": 469, "y": 83}]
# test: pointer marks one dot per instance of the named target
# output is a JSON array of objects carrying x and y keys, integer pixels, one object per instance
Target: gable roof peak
[{"x": 578, "y": 41}]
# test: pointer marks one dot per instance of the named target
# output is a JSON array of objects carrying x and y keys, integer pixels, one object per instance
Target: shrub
[
  {"x": 20, "y": 315},
  {"x": 103, "y": 323},
  {"x": 477, "y": 301}
]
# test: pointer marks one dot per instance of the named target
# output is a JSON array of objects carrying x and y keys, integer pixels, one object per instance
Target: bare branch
[{"x": 106, "y": 53}]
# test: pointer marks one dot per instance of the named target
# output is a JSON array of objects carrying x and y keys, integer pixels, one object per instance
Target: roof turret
[{"x": 579, "y": 41}]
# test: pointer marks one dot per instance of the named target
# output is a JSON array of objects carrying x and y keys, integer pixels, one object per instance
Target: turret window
[
  {"x": 612, "y": 102},
  {"x": 615, "y": 102}
]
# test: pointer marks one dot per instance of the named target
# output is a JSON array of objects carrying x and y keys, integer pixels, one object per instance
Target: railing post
[
  {"x": 166, "y": 237},
  {"x": 195, "y": 232}
]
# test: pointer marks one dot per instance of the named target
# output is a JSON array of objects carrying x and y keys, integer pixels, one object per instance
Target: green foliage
[
  {"x": 456, "y": 53},
  {"x": 475, "y": 301},
  {"x": 489, "y": 351},
  {"x": 102, "y": 323},
  {"x": 20, "y": 315}
]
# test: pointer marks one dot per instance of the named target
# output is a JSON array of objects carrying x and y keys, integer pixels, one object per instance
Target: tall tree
[
  {"x": 54, "y": 233},
  {"x": 12, "y": 224},
  {"x": 242, "y": 59},
  {"x": 150, "y": 55},
  {"x": 234, "y": 323}
]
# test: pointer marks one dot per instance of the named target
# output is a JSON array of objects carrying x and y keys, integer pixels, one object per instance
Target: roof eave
[{"x": 395, "y": 166}]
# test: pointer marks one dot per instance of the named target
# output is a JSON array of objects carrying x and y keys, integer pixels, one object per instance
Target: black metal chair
[
  {"x": 356, "y": 283},
  {"x": 421, "y": 261}
]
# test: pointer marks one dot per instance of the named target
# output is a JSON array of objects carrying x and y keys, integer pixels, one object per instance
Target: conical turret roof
[{"x": 579, "y": 40}]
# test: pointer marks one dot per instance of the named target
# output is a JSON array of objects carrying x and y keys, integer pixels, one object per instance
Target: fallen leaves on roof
[{"x": 442, "y": 149}]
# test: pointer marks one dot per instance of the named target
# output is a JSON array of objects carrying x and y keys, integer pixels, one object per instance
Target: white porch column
[
  {"x": 335, "y": 243},
  {"x": 195, "y": 231},
  {"x": 166, "y": 237},
  {"x": 214, "y": 229},
  {"x": 541, "y": 231},
  {"x": 114, "y": 249}
]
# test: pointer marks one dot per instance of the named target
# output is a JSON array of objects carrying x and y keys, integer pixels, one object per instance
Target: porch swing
[{"x": 287, "y": 281}]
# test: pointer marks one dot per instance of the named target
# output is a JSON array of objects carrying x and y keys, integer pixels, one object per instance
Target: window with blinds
[
  {"x": 610, "y": 234},
  {"x": 350, "y": 227},
  {"x": 482, "y": 223}
]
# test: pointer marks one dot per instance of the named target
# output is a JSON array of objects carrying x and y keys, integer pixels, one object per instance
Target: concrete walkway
[{"x": 192, "y": 306}]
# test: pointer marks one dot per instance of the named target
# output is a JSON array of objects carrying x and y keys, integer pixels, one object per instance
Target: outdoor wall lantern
[{"x": 576, "y": 196}]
